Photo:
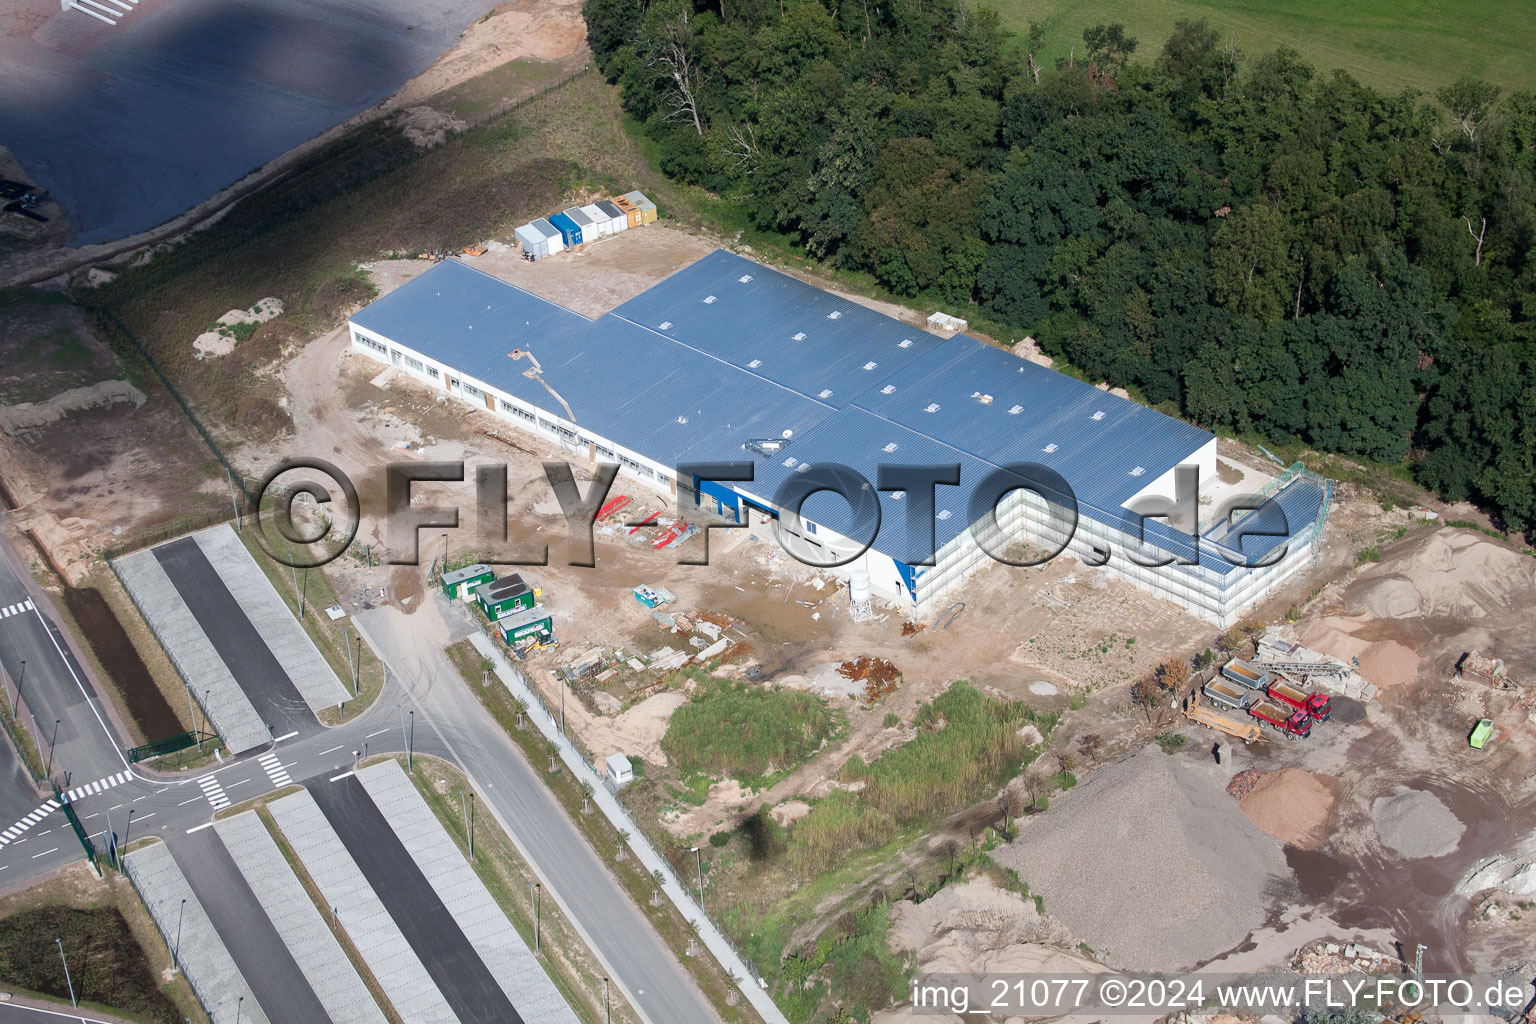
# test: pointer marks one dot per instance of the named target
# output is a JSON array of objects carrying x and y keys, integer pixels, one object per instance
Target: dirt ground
[{"x": 89, "y": 457}]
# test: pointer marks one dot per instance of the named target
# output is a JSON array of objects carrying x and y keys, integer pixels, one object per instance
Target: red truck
[
  {"x": 1283, "y": 717},
  {"x": 1314, "y": 704}
]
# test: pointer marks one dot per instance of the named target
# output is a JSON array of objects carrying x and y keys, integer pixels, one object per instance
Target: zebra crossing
[
  {"x": 16, "y": 609},
  {"x": 99, "y": 786},
  {"x": 275, "y": 770},
  {"x": 214, "y": 792},
  {"x": 109, "y": 12},
  {"x": 19, "y": 829}
]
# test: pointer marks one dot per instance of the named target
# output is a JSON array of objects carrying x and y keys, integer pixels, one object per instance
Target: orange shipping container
[{"x": 631, "y": 211}]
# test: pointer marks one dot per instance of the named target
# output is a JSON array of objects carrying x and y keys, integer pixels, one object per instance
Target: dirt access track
[{"x": 197, "y": 132}]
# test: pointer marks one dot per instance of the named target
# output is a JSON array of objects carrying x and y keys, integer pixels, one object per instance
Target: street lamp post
[
  {"x": 606, "y": 1018},
  {"x": 21, "y": 681},
  {"x": 538, "y": 890},
  {"x": 410, "y": 742},
  {"x": 239, "y": 1005},
  {"x": 699, "y": 859},
  {"x": 51, "y": 744},
  {"x": 67, "y": 980},
  {"x": 468, "y": 828},
  {"x": 176, "y": 952},
  {"x": 128, "y": 828},
  {"x": 197, "y": 735}
]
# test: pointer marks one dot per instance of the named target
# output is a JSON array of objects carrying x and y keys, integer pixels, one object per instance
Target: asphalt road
[
  {"x": 276, "y": 980},
  {"x": 436, "y": 938},
  {"x": 450, "y": 723},
  {"x": 133, "y": 124},
  {"x": 244, "y": 652},
  {"x": 651, "y": 976},
  {"x": 53, "y": 687}
]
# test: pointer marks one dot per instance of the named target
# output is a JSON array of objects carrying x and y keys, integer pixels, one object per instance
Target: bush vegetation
[
  {"x": 736, "y": 730},
  {"x": 966, "y": 744},
  {"x": 106, "y": 965}
]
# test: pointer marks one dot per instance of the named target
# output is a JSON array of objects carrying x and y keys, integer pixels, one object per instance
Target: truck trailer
[
  {"x": 1283, "y": 717},
  {"x": 1314, "y": 704},
  {"x": 1230, "y": 695},
  {"x": 1252, "y": 676}
]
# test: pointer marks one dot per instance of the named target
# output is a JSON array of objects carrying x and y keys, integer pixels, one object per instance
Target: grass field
[
  {"x": 748, "y": 732},
  {"x": 1390, "y": 44}
]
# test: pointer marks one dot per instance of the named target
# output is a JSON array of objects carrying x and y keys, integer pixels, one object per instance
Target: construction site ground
[{"x": 1060, "y": 637}]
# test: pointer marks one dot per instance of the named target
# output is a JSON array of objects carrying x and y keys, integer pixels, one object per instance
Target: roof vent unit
[
  {"x": 905, "y": 343},
  {"x": 1139, "y": 471},
  {"x": 983, "y": 399},
  {"x": 665, "y": 325},
  {"x": 682, "y": 419},
  {"x": 754, "y": 364},
  {"x": 871, "y": 365},
  {"x": 932, "y": 407},
  {"x": 802, "y": 467},
  {"x": 943, "y": 515},
  {"x": 799, "y": 336},
  {"x": 889, "y": 389},
  {"x": 834, "y": 314},
  {"x": 1098, "y": 415},
  {"x": 1015, "y": 410},
  {"x": 791, "y": 462},
  {"x": 708, "y": 299},
  {"x": 824, "y": 393},
  {"x": 898, "y": 495},
  {"x": 1048, "y": 449},
  {"x": 744, "y": 278},
  {"x": 890, "y": 447}
]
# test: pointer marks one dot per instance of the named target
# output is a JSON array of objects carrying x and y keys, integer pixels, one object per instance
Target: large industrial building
[{"x": 728, "y": 360}]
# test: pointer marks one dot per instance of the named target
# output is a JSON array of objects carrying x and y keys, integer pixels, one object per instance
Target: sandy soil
[{"x": 1292, "y": 805}]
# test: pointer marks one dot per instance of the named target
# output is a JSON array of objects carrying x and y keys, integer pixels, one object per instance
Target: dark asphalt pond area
[{"x": 133, "y": 124}]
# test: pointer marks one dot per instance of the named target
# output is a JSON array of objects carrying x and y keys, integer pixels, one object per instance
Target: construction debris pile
[
  {"x": 878, "y": 676},
  {"x": 1345, "y": 958}
]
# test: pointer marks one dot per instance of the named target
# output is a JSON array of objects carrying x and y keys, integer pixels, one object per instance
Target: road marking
[
  {"x": 199, "y": 828},
  {"x": 16, "y": 609},
  {"x": 182, "y": 804},
  {"x": 99, "y": 786},
  {"x": 343, "y": 775},
  {"x": 15, "y": 834},
  {"x": 213, "y": 792},
  {"x": 381, "y": 732},
  {"x": 275, "y": 770},
  {"x": 286, "y": 736},
  {"x": 331, "y": 751},
  {"x": 45, "y": 853},
  {"x": 151, "y": 814}
]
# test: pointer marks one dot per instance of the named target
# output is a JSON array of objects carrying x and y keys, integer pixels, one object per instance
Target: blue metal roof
[
  {"x": 707, "y": 306},
  {"x": 687, "y": 392},
  {"x": 1002, "y": 409}
]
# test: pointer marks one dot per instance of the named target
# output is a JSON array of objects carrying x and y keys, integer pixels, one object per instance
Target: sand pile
[
  {"x": 1389, "y": 663},
  {"x": 1385, "y": 663},
  {"x": 1413, "y": 823},
  {"x": 1291, "y": 805},
  {"x": 1158, "y": 834},
  {"x": 30, "y": 415},
  {"x": 1455, "y": 573},
  {"x": 976, "y": 927},
  {"x": 425, "y": 127},
  {"x": 223, "y": 336}
]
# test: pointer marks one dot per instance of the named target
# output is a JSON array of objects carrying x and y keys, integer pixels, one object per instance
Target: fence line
[{"x": 731, "y": 956}]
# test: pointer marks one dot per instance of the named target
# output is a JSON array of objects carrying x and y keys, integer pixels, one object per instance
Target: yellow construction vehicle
[{"x": 1248, "y": 732}]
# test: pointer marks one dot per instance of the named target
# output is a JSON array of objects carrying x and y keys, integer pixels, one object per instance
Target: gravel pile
[
  {"x": 1150, "y": 863},
  {"x": 1412, "y": 823}
]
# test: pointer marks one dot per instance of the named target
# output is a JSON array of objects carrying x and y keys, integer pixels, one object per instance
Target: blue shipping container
[{"x": 569, "y": 229}]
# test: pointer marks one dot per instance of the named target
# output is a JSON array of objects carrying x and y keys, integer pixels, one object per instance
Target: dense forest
[{"x": 1273, "y": 249}]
